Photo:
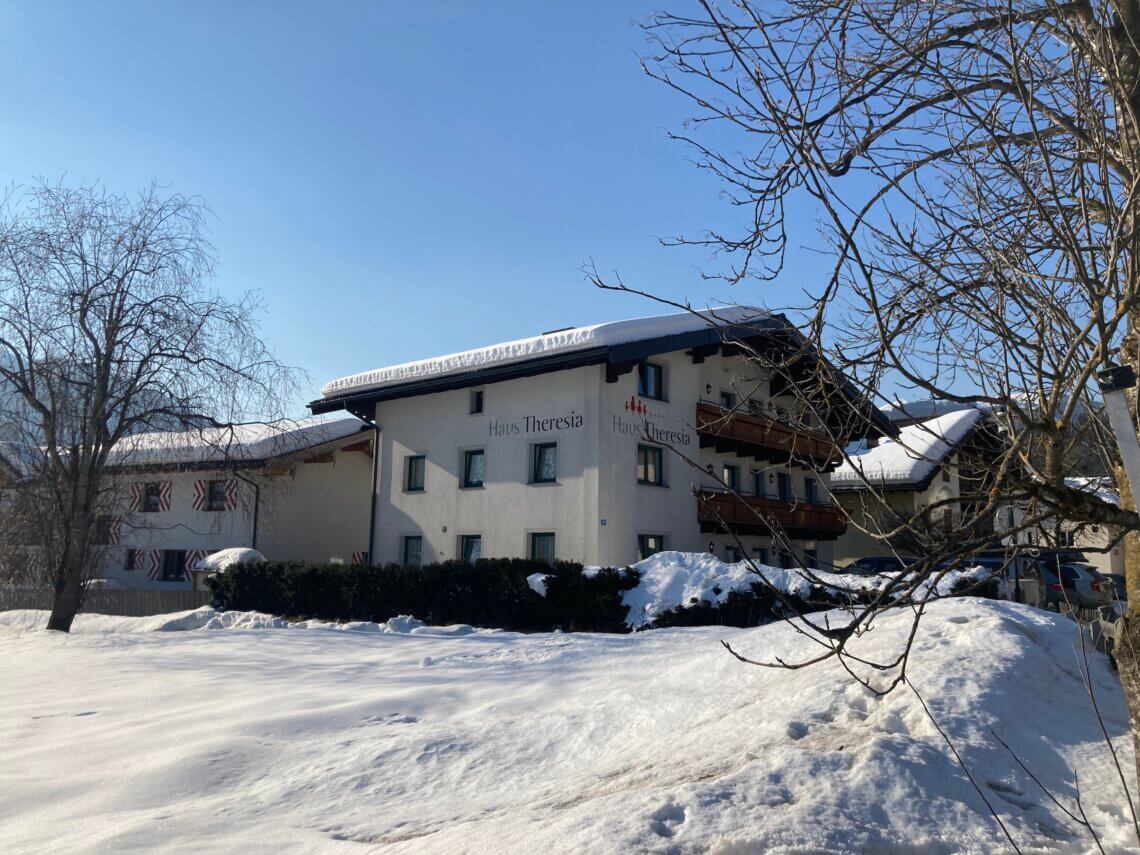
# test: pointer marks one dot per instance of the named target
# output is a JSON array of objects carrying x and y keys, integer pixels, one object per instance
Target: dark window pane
[
  {"x": 732, "y": 477},
  {"x": 470, "y": 547},
  {"x": 173, "y": 565},
  {"x": 474, "y": 468},
  {"x": 649, "y": 469},
  {"x": 216, "y": 495},
  {"x": 152, "y": 498},
  {"x": 728, "y": 400},
  {"x": 784, "y": 486},
  {"x": 545, "y": 463},
  {"x": 413, "y": 550},
  {"x": 650, "y": 381},
  {"x": 415, "y": 474},
  {"x": 476, "y": 401},
  {"x": 809, "y": 490},
  {"x": 649, "y": 544},
  {"x": 542, "y": 547}
]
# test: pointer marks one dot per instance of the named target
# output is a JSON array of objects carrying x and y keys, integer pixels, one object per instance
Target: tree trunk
[{"x": 67, "y": 597}]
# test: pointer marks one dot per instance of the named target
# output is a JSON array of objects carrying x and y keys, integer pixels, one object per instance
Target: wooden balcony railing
[
  {"x": 760, "y": 514},
  {"x": 764, "y": 438}
]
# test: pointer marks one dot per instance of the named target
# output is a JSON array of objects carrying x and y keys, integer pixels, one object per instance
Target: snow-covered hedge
[{"x": 668, "y": 589}]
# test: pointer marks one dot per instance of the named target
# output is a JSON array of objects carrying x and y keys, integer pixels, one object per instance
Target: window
[
  {"x": 542, "y": 547},
  {"x": 173, "y": 565},
  {"x": 758, "y": 482},
  {"x": 731, "y": 477},
  {"x": 132, "y": 562},
  {"x": 102, "y": 533},
  {"x": 414, "y": 473},
  {"x": 470, "y": 548},
  {"x": 544, "y": 467},
  {"x": 1065, "y": 538},
  {"x": 649, "y": 469},
  {"x": 784, "y": 486},
  {"x": 760, "y": 554},
  {"x": 216, "y": 492},
  {"x": 809, "y": 491},
  {"x": 651, "y": 381},
  {"x": 476, "y": 402},
  {"x": 728, "y": 400},
  {"x": 649, "y": 544},
  {"x": 152, "y": 498},
  {"x": 946, "y": 474},
  {"x": 731, "y": 554},
  {"x": 474, "y": 468},
  {"x": 811, "y": 558},
  {"x": 786, "y": 560},
  {"x": 413, "y": 550}
]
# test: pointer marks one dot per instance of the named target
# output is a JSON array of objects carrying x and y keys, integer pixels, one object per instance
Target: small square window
[
  {"x": 476, "y": 402},
  {"x": 728, "y": 400},
  {"x": 542, "y": 547},
  {"x": 811, "y": 558},
  {"x": 649, "y": 468},
  {"x": 784, "y": 486},
  {"x": 649, "y": 544},
  {"x": 651, "y": 381},
  {"x": 760, "y": 555},
  {"x": 474, "y": 468},
  {"x": 545, "y": 465},
  {"x": 174, "y": 565},
  {"x": 731, "y": 554},
  {"x": 413, "y": 550},
  {"x": 216, "y": 494},
  {"x": 414, "y": 473},
  {"x": 152, "y": 498},
  {"x": 470, "y": 548}
]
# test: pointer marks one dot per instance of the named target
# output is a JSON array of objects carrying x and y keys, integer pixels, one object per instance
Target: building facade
[
  {"x": 600, "y": 445},
  {"x": 294, "y": 491}
]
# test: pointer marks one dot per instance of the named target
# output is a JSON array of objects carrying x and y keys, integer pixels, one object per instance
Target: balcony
[
  {"x": 717, "y": 511},
  {"x": 763, "y": 438}
]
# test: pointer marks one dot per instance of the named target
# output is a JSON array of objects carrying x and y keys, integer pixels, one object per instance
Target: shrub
[{"x": 491, "y": 592}]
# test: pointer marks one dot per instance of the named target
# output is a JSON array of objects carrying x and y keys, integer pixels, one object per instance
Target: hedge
[
  {"x": 489, "y": 592},
  {"x": 494, "y": 593}
]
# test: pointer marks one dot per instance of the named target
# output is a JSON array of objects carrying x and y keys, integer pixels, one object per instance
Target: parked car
[
  {"x": 1077, "y": 585},
  {"x": 876, "y": 565},
  {"x": 1018, "y": 574}
]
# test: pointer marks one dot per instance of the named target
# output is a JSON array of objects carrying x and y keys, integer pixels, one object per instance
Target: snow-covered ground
[{"x": 406, "y": 738}]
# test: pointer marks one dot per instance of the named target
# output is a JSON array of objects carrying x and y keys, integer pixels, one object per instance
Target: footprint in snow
[{"x": 665, "y": 820}]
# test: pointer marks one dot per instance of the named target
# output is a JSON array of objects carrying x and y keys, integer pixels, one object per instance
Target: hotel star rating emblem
[{"x": 635, "y": 405}]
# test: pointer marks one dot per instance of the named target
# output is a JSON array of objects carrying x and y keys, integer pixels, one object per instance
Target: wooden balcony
[
  {"x": 763, "y": 438},
  {"x": 717, "y": 511}
]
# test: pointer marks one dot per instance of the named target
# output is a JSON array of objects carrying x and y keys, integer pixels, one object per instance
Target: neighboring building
[
  {"x": 294, "y": 490},
  {"x": 939, "y": 463},
  {"x": 563, "y": 445},
  {"x": 1101, "y": 544}
]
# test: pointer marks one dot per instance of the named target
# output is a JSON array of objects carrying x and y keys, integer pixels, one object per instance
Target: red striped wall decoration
[
  {"x": 193, "y": 556},
  {"x": 360, "y": 557},
  {"x": 152, "y": 563},
  {"x": 200, "y": 489},
  {"x": 164, "y": 491},
  {"x": 138, "y": 490},
  {"x": 231, "y": 494},
  {"x": 115, "y": 531}
]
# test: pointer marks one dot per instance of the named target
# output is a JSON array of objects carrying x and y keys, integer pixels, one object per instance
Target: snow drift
[{"x": 315, "y": 740}]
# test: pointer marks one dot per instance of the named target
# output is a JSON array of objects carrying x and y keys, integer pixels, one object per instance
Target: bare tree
[
  {"x": 107, "y": 329},
  {"x": 974, "y": 167}
]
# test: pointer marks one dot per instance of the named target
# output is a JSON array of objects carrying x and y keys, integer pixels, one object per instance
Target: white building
[
  {"x": 293, "y": 490},
  {"x": 578, "y": 444},
  {"x": 936, "y": 465}
]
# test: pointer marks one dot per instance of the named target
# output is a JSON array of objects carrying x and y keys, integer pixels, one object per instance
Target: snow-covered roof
[
  {"x": 19, "y": 460},
  {"x": 911, "y": 458},
  {"x": 916, "y": 411},
  {"x": 240, "y": 443},
  {"x": 1101, "y": 487},
  {"x": 560, "y": 341}
]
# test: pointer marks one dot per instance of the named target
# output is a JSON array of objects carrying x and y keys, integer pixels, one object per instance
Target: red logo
[{"x": 635, "y": 405}]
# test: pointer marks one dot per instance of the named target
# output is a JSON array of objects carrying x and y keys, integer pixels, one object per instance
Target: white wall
[{"x": 597, "y": 509}]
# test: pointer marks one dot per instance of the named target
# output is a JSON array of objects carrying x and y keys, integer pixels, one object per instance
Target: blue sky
[{"x": 397, "y": 180}]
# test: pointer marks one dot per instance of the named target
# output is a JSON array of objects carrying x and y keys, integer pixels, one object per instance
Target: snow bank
[
  {"x": 910, "y": 458},
  {"x": 224, "y": 559},
  {"x": 673, "y": 579},
  {"x": 561, "y": 341},
  {"x": 317, "y": 741},
  {"x": 207, "y": 618}
]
